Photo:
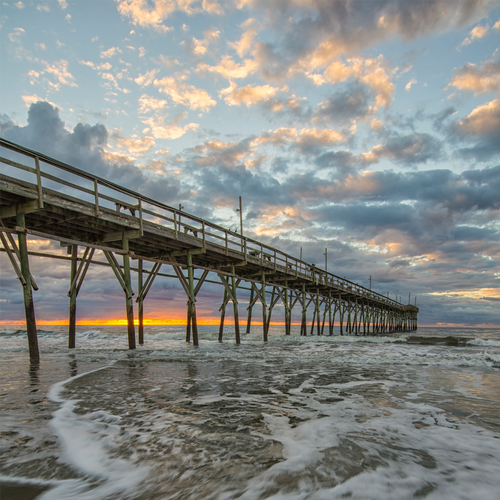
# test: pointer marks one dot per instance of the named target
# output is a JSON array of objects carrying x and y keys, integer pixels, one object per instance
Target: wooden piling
[
  {"x": 191, "y": 300},
  {"x": 264, "y": 307},
  {"x": 29, "y": 307},
  {"x": 222, "y": 315},
  {"x": 250, "y": 306},
  {"x": 128, "y": 296},
  {"x": 140, "y": 302},
  {"x": 72, "y": 299},
  {"x": 235, "y": 308}
]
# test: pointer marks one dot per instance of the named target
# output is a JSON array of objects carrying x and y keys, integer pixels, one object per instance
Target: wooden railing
[{"x": 48, "y": 173}]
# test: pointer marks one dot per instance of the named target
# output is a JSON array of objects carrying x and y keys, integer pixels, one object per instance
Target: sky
[{"x": 370, "y": 128}]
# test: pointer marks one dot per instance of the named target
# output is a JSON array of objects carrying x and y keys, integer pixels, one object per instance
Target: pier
[{"x": 43, "y": 197}]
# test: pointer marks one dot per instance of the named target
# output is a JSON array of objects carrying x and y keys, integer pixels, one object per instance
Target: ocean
[{"x": 403, "y": 416}]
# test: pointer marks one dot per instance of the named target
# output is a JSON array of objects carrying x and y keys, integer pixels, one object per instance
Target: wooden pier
[{"x": 43, "y": 197}]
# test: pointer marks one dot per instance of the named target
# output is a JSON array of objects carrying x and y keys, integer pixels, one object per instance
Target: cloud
[
  {"x": 148, "y": 103},
  {"x": 306, "y": 141},
  {"x": 134, "y": 145},
  {"x": 57, "y": 74},
  {"x": 344, "y": 106},
  {"x": 106, "y": 54},
  {"x": 371, "y": 72},
  {"x": 199, "y": 47},
  {"x": 142, "y": 13},
  {"x": 185, "y": 94},
  {"x": 478, "y": 79},
  {"x": 160, "y": 129},
  {"x": 482, "y": 123},
  {"x": 147, "y": 78},
  {"x": 329, "y": 30},
  {"x": 244, "y": 45},
  {"x": 476, "y": 33},
  {"x": 250, "y": 95},
  {"x": 311, "y": 140},
  {"x": 229, "y": 69},
  {"x": 409, "y": 85},
  {"x": 407, "y": 150},
  {"x": 85, "y": 147},
  {"x": 16, "y": 34}
]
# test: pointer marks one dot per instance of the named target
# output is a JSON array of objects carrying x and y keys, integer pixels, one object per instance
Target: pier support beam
[
  {"x": 123, "y": 278},
  {"x": 29, "y": 307},
  {"x": 250, "y": 306},
  {"x": 222, "y": 310},
  {"x": 230, "y": 293},
  {"x": 303, "y": 325},
  {"x": 77, "y": 276},
  {"x": 140, "y": 302},
  {"x": 128, "y": 296}
]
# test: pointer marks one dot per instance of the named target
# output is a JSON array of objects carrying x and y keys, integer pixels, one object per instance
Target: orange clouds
[
  {"x": 478, "y": 79},
  {"x": 142, "y": 13},
  {"x": 373, "y": 72},
  {"x": 249, "y": 95},
  {"x": 185, "y": 94},
  {"x": 477, "y": 294},
  {"x": 483, "y": 120}
]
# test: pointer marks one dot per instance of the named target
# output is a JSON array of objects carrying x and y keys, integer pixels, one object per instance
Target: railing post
[
  {"x": 39, "y": 182},
  {"x": 96, "y": 197}
]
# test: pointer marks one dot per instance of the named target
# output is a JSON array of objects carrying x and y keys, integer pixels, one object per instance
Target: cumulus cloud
[
  {"x": 344, "y": 106},
  {"x": 185, "y": 94},
  {"x": 134, "y": 144},
  {"x": 370, "y": 72},
  {"x": 329, "y": 30},
  {"x": 482, "y": 124},
  {"x": 476, "y": 33},
  {"x": 55, "y": 74},
  {"x": 406, "y": 150},
  {"x": 85, "y": 147},
  {"x": 230, "y": 69},
  {"x": 146, "y": 14},
  {"x": 160, "y": 128},
  {"x": 250, "y": 95},
  {"x": 478, "y": 79},
  {"x": 409, "y": 85}
]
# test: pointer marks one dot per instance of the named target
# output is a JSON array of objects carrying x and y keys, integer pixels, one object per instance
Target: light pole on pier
[
  {"x": 240, "y": 210},
  {"x": 370, "y": 282},
  {"x": 326, "y": 259}
]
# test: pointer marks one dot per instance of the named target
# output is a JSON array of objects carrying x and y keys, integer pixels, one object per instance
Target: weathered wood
[
  {"x": 140, "y": 302},
  {"x": 250, "y": 306},
  {"x": 222, "y": 310},
  {"x": 128, "y": 296},
  {"x": 29, "y": 307},
  {"x": 235, "y": 309},
  {"x": 12, "y": 259},
  {"x": 72, "y": 298}
]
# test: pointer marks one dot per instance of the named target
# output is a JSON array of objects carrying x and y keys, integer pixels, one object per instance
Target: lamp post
[
  {"x": 326, "y": 259},
  {"x": 240, "y": 210}
]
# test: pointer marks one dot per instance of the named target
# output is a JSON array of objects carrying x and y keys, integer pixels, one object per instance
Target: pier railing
[{"x": 47, "y": 173}]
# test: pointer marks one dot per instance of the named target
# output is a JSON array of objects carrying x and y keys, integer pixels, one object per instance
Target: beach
[{"x": 387, "y": 417}]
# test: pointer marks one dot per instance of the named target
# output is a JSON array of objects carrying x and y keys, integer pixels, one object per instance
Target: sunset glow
[{"x": 369, "y": 129}]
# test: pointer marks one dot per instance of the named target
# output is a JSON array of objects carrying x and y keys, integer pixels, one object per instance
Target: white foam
[{"x": 88, "y": 442}]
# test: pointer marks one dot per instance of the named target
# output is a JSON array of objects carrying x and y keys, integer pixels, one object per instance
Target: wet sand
[{"x": 15, "y": 491}]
